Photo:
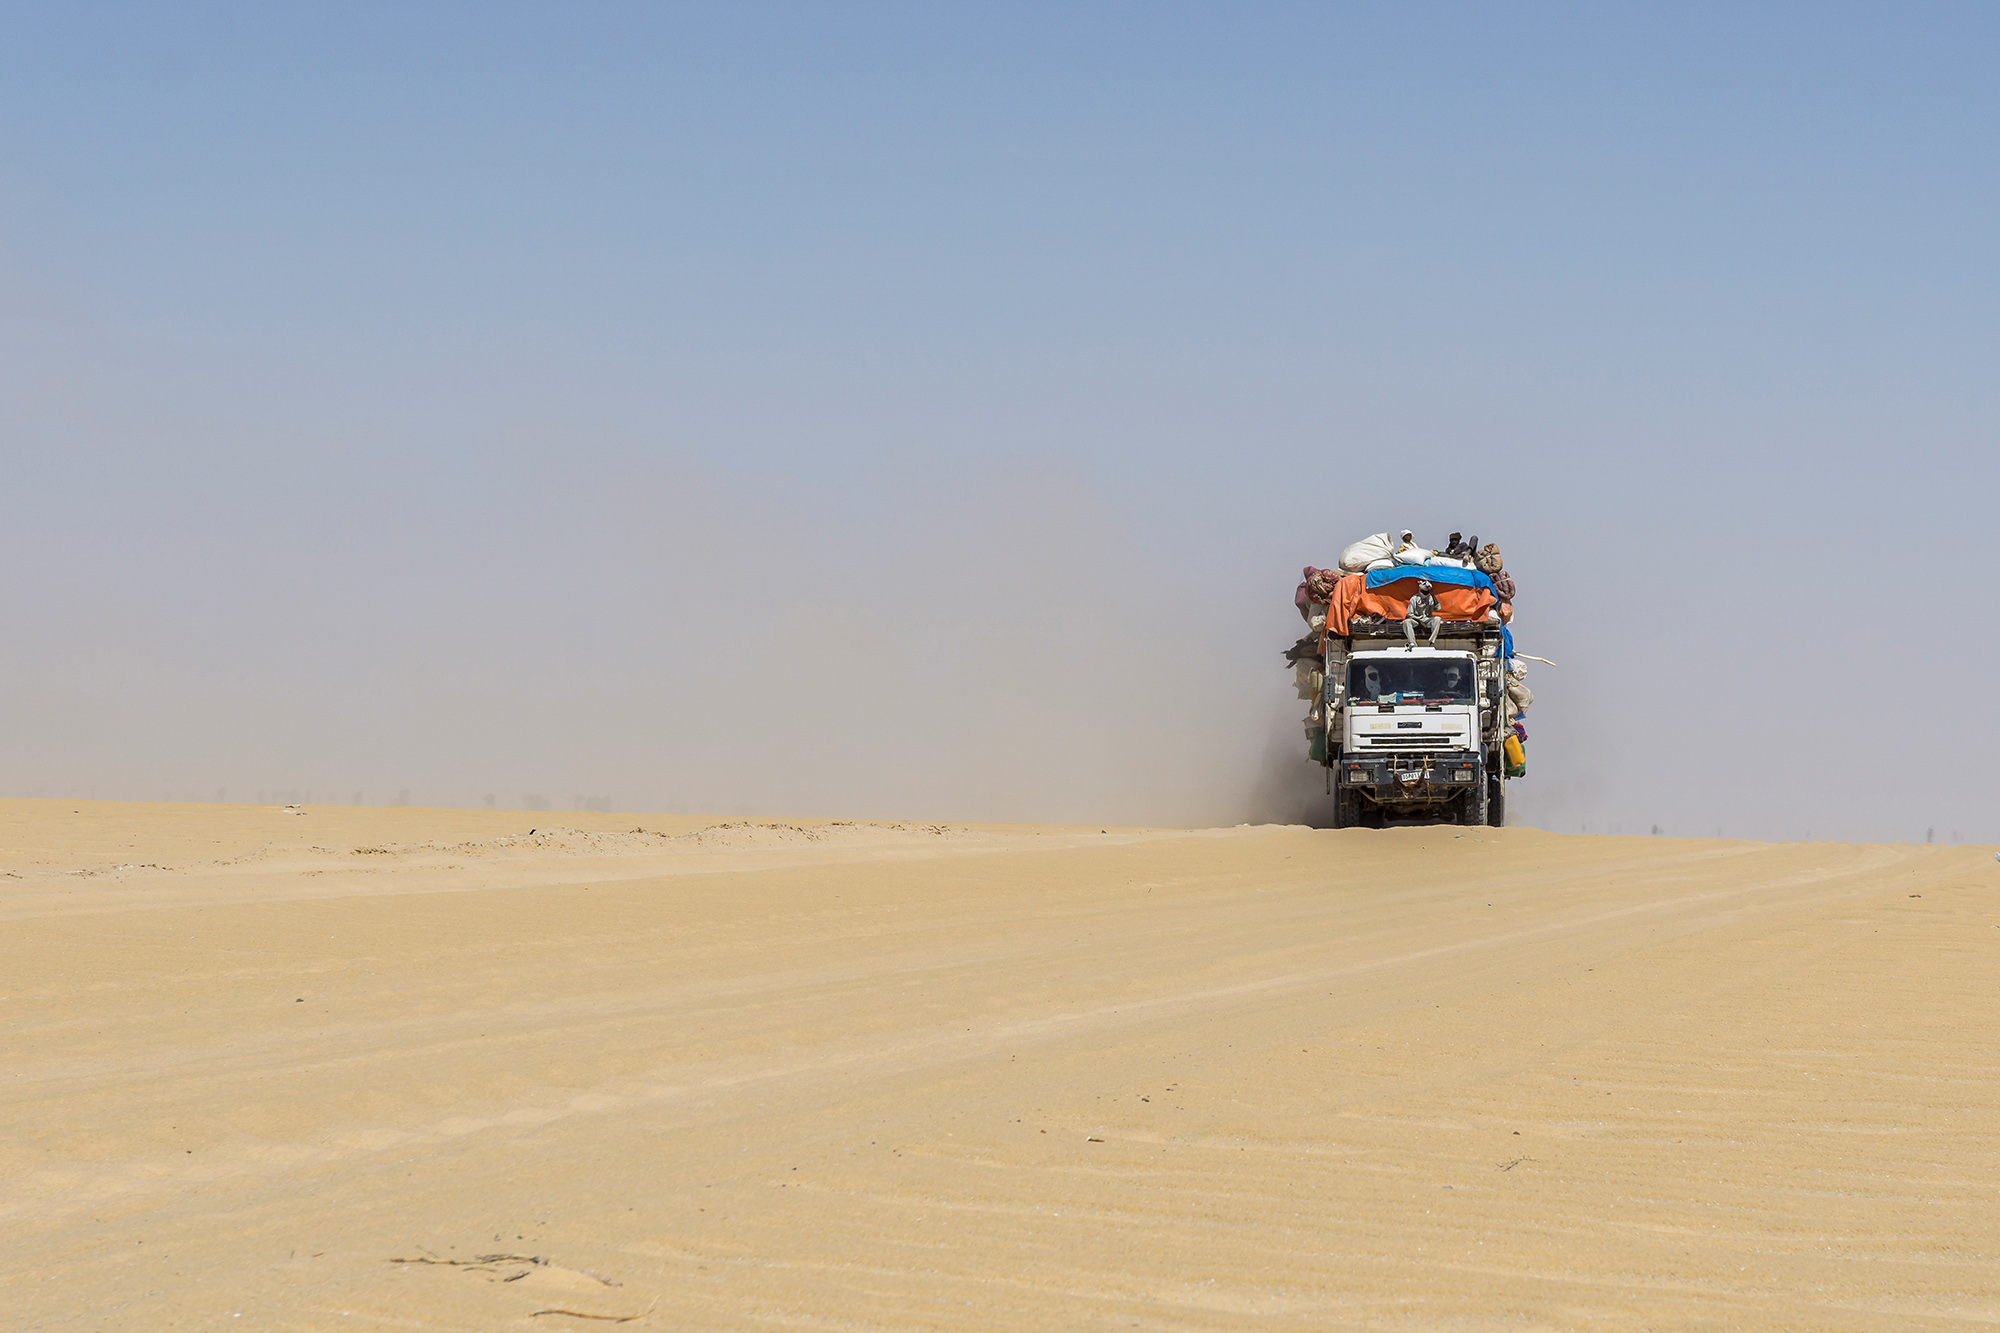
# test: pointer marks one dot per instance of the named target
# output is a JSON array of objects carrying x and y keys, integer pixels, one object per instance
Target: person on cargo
[{"x": 1423, "y": 613}]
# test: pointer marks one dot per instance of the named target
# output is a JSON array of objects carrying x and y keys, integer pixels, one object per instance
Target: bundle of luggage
[
  {"x": 1382, "y": 552},
  {"x": 1378, "y": 575}
]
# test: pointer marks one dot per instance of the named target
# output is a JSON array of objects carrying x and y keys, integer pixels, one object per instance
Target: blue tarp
[{"x": 1464, "y": 578}]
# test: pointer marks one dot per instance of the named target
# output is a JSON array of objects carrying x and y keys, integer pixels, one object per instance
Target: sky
[{"x": 926, "y": 411}]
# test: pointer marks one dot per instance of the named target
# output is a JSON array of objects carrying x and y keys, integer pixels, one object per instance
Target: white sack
[
  {"x": 1365, "y": 552},
  {"x": 1407, "y": 552},
  {"x": 1518, "y": 693}
]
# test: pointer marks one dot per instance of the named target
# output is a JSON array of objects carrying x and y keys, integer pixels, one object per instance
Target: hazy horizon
[{"x": 894, "y": 414}]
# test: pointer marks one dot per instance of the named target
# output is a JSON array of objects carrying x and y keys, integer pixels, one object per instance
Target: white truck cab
[{"x": 1409, "y": 735}]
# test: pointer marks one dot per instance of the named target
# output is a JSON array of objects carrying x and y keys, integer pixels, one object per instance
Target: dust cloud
[
  {"x": 579, "y": 619},
  {"x": 662, "y": 634}
]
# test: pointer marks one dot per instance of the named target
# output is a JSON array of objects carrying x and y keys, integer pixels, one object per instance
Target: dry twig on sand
[
  {"x": 478, "y": 1261},
  {"x": 579, "y": 1314}
]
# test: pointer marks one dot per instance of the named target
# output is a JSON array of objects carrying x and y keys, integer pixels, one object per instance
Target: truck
[{"x": 1409, "y": 734}]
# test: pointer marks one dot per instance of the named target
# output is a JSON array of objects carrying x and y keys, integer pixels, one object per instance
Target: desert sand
[{"x": 424, "y": 1069}]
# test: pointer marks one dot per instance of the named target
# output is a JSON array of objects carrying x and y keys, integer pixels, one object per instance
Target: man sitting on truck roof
[{"x": 1423, "y": 611}]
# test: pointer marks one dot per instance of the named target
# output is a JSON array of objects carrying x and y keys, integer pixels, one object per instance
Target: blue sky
[{"x": 885, "y": 410}]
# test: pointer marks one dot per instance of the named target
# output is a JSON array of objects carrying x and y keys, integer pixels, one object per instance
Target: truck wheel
[
  {"x": 1346, "y": 808},
  {"x": 1472, "y": 806},
  {"x": 1496, "y": 803}
]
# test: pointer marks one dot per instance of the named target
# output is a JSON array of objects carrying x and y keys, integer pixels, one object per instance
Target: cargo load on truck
[{"x": 1418, "y": 701}]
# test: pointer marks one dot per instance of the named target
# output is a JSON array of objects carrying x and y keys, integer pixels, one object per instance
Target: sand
[{"x": 312, "y": 1071}]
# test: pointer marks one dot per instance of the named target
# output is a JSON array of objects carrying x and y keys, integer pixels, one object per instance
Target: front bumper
[{"x": 1413, "y": 779}]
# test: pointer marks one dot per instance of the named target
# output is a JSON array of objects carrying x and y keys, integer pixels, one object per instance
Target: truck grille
[{"x": 1435, "y": 740}]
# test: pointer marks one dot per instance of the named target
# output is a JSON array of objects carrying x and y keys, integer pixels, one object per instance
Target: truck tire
[
  {"x": 1496, "y": 802},
  {"x": 1346, "y": 808},
  {"x": 1472, "y": 808}
]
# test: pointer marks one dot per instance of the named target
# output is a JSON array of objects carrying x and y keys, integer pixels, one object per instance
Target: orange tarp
[{"x": 1352, "y": 597}]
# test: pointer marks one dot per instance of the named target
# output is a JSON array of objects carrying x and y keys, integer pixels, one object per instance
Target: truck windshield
[{"x": 1406, "y": 680}]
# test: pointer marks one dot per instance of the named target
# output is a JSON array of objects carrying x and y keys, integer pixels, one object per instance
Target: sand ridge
[
  {"x": 777, "y": 1073},
  {"x": 62, "y": 867}
]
